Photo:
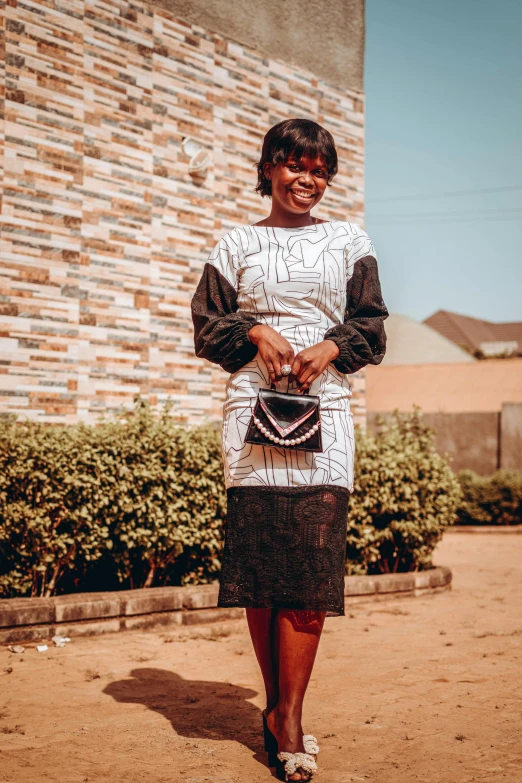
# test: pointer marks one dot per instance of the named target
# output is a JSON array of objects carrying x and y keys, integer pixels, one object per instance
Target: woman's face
[{"x": 297, "y": 185}]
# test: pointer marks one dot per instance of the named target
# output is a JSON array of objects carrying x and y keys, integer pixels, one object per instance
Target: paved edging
[
  {"x": 81, "y": 614},
  {"x": 485, "y": 529}
]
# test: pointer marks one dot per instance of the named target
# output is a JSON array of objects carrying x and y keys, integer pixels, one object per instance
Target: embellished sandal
[
  {"x": 309, "y": 741},
  {"x": 310, "y": 745},
  {"x": 288, "y": 763},
  {"x": 295, "y": 762}
]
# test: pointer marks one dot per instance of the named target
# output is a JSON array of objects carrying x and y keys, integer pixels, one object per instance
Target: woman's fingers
[
  {"x": 275, "y": 351},
  {"x": 277, "y": 369},
  {"x": 307, "y": 374},
  {"x": 305, "y": 381},
  {"x": 289, "y": 355},
  {"x": 296, "y": 367},
  {"x": 287, "y": 358},
  {"x": 279, "y": 358}
]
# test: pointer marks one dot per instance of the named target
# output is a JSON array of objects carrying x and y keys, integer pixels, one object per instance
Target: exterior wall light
[{"x": 199, "y": 157}]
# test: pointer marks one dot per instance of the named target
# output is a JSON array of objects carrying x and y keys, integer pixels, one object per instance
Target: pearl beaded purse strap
[
  {"x": 285, "y": 441},
  {"x": 283, "y": 432}
]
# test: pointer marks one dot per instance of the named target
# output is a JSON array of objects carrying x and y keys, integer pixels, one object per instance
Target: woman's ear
[{"x": 267, "y": 170}]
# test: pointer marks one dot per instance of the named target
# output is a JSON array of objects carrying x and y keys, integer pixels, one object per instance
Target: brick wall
[{"x": 103, "y": 230}]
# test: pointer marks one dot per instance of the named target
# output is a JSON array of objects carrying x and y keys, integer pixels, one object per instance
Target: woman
[{"x": 294, "y": 299}]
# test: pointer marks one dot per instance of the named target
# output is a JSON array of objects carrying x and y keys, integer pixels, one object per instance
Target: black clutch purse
[{"x": 289, "y": 420}]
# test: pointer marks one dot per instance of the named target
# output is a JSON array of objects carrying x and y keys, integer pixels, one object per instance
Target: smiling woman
[
  {"x": 290, "y": 292},
  {"x": 298, "y": 161}
]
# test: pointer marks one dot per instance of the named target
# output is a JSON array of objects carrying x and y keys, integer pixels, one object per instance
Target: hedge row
[
  {"x": 140, "y": 501},
  {"x": 490, "y": 500},
  {"x": 128, "y": 503}
]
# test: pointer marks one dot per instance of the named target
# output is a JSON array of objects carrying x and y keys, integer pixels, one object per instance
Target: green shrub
[
  {"x": 405, "y": 495},
  {"x": 141, "y": 499},
  {"x": 490, "y": 500}
]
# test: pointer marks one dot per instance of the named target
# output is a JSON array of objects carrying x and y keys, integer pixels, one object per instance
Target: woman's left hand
[{"x": 312, "y": 362}]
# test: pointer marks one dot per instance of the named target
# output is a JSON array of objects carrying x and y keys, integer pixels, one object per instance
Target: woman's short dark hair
[{"x": 303, "y": 139}]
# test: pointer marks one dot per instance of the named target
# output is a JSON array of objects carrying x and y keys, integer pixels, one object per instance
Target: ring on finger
[{"x": 286, "y": 369}]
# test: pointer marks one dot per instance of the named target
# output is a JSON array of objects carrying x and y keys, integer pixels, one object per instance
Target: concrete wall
[
  {"x": 482, "y": 442},
  {"x": 472, "y": 439},
  {"x": 511, "y": 436},
  {"x": 445, "y": 388},
  {"x": 326, "y": 39},
  {"x": 104, "y": 231}
]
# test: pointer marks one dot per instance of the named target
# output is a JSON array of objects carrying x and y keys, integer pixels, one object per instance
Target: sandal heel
[{"x": 270, "y": 744}]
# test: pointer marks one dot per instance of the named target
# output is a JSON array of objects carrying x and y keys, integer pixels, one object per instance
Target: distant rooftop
[
  {"x": 478, "y": 336},
  {"x": 410, "y": 342}
]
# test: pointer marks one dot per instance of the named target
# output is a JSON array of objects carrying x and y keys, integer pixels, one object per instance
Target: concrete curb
[
  {"x": 85, "y": 614},
  {"x": 485, "y": 529}
]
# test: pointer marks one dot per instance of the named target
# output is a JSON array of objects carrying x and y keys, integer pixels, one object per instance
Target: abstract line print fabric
[
  {"x": 250, "y": 465},
  {"x": 294, "y": 280}
]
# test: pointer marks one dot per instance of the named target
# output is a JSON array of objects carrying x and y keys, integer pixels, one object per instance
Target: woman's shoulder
[
  {"x": 353, "y": 229},
  {"x": 359, "y": 243}
]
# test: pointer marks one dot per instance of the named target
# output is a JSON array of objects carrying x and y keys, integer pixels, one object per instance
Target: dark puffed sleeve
[
  {"x": 361, "y": 339},
  {"x": 220, "y": 327}
]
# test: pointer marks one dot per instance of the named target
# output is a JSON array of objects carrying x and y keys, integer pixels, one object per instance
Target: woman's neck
[{"x": 276, "y": 220}]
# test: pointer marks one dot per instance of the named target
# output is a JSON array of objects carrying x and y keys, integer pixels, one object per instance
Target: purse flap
[{"x": 286, "y": 412}]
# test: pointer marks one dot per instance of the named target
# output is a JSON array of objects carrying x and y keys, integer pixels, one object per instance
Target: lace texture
[{"x": 285, "y": 548}]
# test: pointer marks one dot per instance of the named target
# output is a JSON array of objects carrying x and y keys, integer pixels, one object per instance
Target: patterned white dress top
[{"x": 309, "y": 284}]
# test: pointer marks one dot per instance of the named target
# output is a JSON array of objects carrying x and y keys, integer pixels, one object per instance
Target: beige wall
[
  {"x": 104, "y": 233},
  {"x": 471, "y": 439},
  {"x": 483, "y": 442},
  {"x": 511, "y": 437},
  {"x": 450, "y": 388},
  {"x": 475, "y": 409},
  {"x": 326, "y": 39}
]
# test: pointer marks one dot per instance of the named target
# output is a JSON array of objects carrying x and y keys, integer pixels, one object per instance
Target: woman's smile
[{"x": 302, "y": 196}]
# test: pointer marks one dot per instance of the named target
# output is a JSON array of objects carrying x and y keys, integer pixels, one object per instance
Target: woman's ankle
[
  {"x": 285, "y": 721},
  {"x": 289, "y": 712}
]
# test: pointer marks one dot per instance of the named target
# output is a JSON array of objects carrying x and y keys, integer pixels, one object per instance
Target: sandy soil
[{"x": 425, "y": 689}]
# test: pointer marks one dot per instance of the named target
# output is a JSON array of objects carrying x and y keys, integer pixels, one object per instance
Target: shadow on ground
[{"x": 196, "y": 709}]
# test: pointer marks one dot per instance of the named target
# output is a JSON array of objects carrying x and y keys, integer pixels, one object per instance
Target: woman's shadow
[{"x": 196, "y": 708}]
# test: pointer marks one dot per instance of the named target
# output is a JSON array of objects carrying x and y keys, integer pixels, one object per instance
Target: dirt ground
[{"x": 425, "y": 689}]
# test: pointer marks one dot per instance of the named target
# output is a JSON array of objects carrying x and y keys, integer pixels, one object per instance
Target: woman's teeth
[{"x": 303, "y": 195}]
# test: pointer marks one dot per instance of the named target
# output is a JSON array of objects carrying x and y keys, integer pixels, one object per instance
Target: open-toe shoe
[{"x": 289, "y": 763}]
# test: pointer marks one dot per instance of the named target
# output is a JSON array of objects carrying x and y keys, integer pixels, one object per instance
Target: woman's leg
[
  {"x": 261, "y": 624},
  {"x": 296, "y": 639}
]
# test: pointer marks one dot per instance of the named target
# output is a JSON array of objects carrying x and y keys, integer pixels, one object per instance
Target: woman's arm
[
  {"x": 361, "y": 339},
  {"x": 220, "y": 327}
]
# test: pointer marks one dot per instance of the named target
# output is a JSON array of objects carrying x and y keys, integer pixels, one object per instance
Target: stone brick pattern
[{"x": 103, "y": 230}]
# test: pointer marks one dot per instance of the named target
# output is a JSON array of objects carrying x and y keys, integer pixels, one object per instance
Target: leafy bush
[
  {"x": 140, "y": 501},
  {"x": 128, "y": 503},
  {"x": 490, "y": 500},
  {"x": 405, "y": 495}
]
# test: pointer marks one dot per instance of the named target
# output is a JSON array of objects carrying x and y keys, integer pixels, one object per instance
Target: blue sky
[{"x": 443, "y": 83}]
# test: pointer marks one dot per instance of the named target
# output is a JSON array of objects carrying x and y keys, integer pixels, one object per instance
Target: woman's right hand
[{"x": 274, "y": 349}]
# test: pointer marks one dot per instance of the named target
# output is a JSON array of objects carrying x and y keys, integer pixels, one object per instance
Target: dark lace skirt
[{"x": 285, "y": 547}]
